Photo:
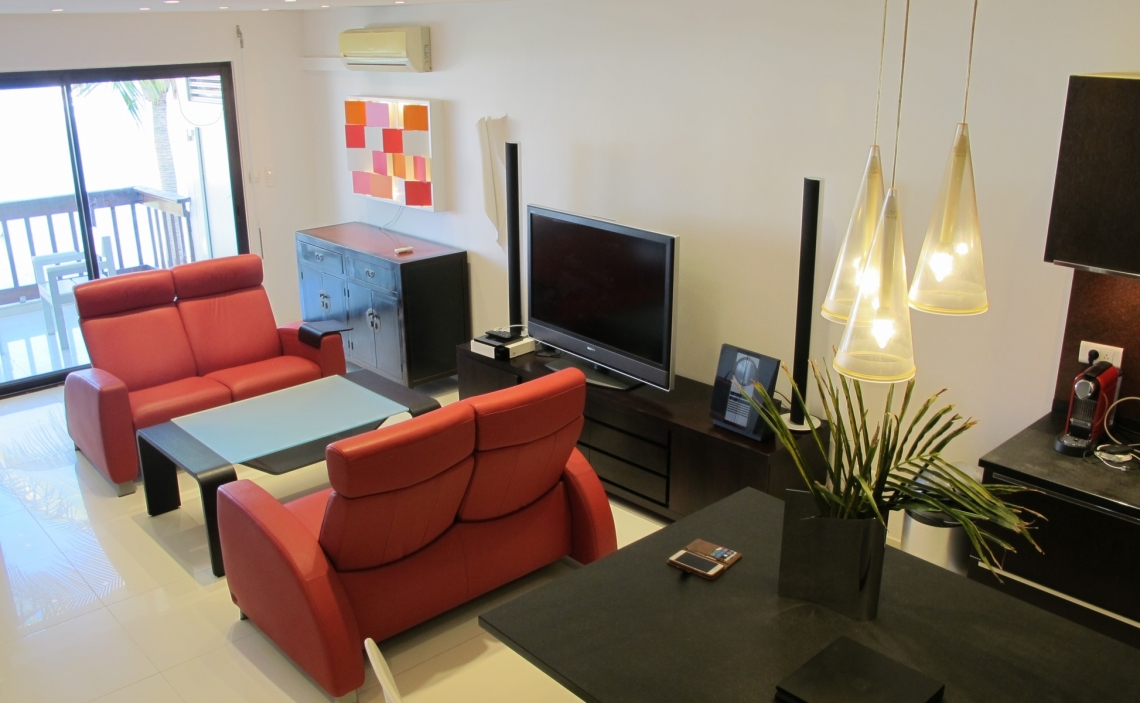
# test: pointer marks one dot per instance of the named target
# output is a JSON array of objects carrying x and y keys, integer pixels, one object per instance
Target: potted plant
[{"x": 835, "y": 531}]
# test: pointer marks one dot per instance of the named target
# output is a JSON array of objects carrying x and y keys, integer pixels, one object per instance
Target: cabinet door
[
  {"x": 386, "y": 323},
  {"x": 333, "y": 288},
  {"x": 361, "y": 339},
  {"x": 312, "y": 308}
]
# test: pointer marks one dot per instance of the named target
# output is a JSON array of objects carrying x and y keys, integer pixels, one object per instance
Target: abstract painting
[{"x": 393, "y": 150}]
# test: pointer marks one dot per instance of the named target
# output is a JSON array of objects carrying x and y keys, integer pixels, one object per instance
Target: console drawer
[
  {"x": 373, "y": 274},
  {"x": 323, "y": 259},
  {"x": 625, "y": 475},
  {"x": 645, "y": 427},
  {"x": 626, "y": 446}
]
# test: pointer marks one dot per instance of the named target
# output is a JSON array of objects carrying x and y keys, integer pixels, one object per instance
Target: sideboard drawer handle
[
  {"x": 320, "y": 257},
  {"x": 370, "y": 273}
]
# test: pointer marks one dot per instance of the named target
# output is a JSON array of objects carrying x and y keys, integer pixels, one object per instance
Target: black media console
[{"x": 655, "y": 449}]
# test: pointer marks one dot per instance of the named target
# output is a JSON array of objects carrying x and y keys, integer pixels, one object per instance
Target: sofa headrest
[
  {"x": 529, "y": 411},
  {"x": 403, "y": 455},
  {"x": 217, "y": 276},
  {"x": 118, "y": 294}
]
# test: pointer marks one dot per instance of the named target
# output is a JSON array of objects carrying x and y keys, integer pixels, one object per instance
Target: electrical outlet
[{"x": 1113, "y": 355}]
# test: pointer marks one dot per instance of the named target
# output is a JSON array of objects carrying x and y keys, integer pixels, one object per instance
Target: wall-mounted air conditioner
[{"x": 387, "y": 49}]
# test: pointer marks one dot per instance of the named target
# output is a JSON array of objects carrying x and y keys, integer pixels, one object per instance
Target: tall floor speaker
[
  {"x": 798, "y": 418},
  {"x": 514, "y": 274}
]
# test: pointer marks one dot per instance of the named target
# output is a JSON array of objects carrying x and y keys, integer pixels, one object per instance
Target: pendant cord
[
  {"x": 882, "y": 55},
  {"x": 902, "y": 76},
  {"x": 970, "y": 61}
]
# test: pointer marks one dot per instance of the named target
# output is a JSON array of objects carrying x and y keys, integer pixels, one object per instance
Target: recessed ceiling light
[
  {"x": 399, "y": 2},
  {"x": 171, "y": 2}
]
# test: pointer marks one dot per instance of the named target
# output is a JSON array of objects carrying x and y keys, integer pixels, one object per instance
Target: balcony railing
[{"x": 147, "y": 228}]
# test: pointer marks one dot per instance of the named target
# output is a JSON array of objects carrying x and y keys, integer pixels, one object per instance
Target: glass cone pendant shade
[
  {"x": 876, "y": 343},
  {"x": 950, "y": 278},
  {"x": 860, "y": 232}
]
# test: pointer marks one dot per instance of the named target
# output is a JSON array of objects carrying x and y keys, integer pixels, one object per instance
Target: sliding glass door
[
  {"x": 106, "y": 172},
  {"x": 43, "y": 243}
]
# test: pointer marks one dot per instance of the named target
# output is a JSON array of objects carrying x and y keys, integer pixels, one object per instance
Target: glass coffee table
[{"x": 275, "y": 433}]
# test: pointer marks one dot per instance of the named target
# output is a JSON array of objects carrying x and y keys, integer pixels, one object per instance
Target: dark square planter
[{"x": 835, "y": 563}]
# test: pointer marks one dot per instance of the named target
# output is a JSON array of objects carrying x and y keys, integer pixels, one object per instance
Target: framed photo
[{"x": 736, "y": 374}]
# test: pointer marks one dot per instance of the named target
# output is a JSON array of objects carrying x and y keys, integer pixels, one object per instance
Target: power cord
[
  {"x": 1108, "y": 414},
  {"x": 1121, "y": 455}
]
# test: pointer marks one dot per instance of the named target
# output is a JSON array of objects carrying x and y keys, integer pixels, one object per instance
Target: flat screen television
[{"x": 603, "y": 293}]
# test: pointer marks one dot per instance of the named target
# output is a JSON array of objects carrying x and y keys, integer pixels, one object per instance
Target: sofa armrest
[
  {"x": 98, "y": 411},
  {"x": 593, "y": 532},
  {"x": 330, "y": 357},
  {"x": 280, "y": 578}
]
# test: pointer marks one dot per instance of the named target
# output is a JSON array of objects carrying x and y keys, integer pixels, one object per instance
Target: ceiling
[{"x": 156, "y": 6}]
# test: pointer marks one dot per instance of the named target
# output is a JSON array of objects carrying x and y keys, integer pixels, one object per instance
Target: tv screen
[{"x": 604, "y": 292}]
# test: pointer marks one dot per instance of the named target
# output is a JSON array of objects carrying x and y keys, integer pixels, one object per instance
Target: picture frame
[{"x": 737, "y": 370}]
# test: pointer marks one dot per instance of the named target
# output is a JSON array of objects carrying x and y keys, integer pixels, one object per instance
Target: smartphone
[{"x": 694, "y": 564}]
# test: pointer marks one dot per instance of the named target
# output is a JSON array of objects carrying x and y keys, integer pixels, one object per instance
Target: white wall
[
  {"x": 698, "y": 119},
  {"x": 272, "y": 100},
  {"x": 701, "y": 119}
]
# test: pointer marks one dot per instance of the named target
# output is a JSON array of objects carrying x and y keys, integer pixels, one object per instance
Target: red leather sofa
[
  {"x": 421, "y": 517},
  {"x": 171, "y": 342}
]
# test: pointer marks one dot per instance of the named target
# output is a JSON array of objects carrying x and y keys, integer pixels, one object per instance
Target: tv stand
[
  {"x": 657, "y": 449},
  {"x": 595, "y": 375}
]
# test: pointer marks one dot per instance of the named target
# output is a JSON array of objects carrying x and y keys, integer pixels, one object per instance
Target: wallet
[{"x": 715, "y": 552}]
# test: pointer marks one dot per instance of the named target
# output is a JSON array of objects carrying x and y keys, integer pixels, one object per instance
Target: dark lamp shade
[{"x": 1095, "y": 219}]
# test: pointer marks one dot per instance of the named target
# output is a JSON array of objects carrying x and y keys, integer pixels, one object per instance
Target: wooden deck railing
[{"x": 149, "y": 228}]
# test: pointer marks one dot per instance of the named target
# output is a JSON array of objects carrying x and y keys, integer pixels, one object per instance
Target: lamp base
[{"x": 810, "y": 423}]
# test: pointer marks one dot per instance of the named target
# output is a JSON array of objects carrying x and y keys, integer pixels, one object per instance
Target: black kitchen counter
[{"x": 1030, "y": 453}]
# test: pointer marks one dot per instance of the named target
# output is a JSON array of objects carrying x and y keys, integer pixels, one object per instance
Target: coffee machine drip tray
[{"x": 1070, "y": 445}]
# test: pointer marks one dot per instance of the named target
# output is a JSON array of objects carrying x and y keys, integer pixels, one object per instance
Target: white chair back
[{"x": 387, "y": 681}]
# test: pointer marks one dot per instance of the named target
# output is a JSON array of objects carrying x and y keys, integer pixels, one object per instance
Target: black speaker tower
[
  {"x": 805, "y": 307},
  {"x": 514, "y": 276}
]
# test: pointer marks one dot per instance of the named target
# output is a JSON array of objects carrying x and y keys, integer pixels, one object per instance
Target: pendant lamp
[
  {"x": 853, "y": 253},
  {"x": 950, "y": 278},
  {"x": 876, "y": 344},
  {"x": 864, "y": 219}
]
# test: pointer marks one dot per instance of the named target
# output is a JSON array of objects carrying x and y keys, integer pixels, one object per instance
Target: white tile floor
[
  {"x": 27, "y": 348},
  {"x": 100, "y": 602}
]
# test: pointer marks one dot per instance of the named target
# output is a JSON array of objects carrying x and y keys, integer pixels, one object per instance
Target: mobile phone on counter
[{"x": 696, "y": 564}]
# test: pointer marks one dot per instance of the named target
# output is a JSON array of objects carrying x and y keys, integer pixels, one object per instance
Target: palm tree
[{"x": 153, "y": 93}]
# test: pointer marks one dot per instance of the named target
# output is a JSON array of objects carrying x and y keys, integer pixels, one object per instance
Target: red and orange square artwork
[{"x": 391, "y": 145}]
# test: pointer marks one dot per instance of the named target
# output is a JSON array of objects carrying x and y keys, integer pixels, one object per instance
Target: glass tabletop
[{"x": 253, "y": 428}]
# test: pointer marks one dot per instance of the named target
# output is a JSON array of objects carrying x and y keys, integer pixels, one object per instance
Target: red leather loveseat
[
  {"x": 421, "y": 517},
  {"x": 171, "y": 342}
]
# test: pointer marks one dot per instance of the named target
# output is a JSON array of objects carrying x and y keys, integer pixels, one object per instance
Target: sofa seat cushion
[
  {"x": 310, "y": 510},
  {"x": 154, "y": 406},
  {"x": 266, "y": 376}
]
